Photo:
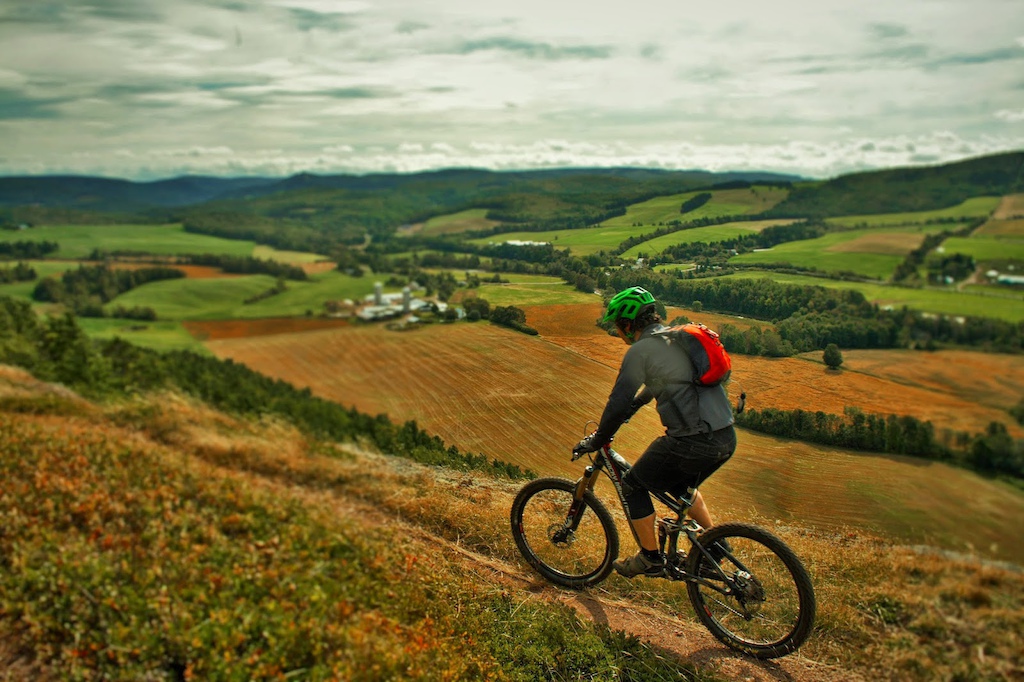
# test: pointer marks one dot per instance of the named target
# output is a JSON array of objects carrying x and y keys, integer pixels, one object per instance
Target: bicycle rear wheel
[
  {"x": 572, "y": 551},
  {"x": 764, "y": 604}
]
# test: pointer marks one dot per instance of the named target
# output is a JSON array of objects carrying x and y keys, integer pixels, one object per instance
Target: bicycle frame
[{"x": 614, "y": 466}]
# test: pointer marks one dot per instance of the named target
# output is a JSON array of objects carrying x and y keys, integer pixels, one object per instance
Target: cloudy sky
[{"x": 145, "y": 89}]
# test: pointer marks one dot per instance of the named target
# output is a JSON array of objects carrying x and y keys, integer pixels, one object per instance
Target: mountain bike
[{"x": 745, "y": 584}]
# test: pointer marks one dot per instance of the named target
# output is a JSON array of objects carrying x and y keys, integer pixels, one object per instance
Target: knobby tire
[
  {"x": 775, "y": 611},
  {"x": 575, "y": 560}
]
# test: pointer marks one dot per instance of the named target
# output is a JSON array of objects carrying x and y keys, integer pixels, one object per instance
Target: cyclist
[{"x": 699, "y": 435}]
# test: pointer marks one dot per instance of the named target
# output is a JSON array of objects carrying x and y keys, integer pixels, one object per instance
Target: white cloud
[
  {"x": 325, "y": 6},
  {"x": 1010, "y": 116},
  {"x": 350, "y": 85}
]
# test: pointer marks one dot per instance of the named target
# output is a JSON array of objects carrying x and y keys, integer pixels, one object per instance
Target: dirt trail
[{"x": 678, "y": 639}]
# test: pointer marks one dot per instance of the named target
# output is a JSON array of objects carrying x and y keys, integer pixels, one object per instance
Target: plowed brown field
[
  {"x": 235, "y": 329},
  {"x": 526, "y": 399},
  {"x": 937, "y": 387}
]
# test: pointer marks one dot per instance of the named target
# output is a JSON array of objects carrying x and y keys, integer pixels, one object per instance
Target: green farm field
[
  {"x": 986, "y": 249},
  {"x": 649, "y": 215},
  {"x": 528, "y": 290},
  {"x": 977, "y": 302},
  {"x": 162, "y": 335},
  {"x": 78, "y": 241},
  {"x": 711, "y": 233},
  {"x": 727, "y": 202},
  {"x": 976, "y": 207},
  {"x": 870, "y": 252},
  {"x": 210, "y": 299},
  {"x": 43, "y": 268},
  {"x": 455, "y": 223},
  {"x": 580, "y": 242}
]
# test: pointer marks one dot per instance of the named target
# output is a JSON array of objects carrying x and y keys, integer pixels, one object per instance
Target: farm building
[{"x": 383, "y": 306}]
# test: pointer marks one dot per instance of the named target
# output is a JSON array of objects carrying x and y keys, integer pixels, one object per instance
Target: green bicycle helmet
[{"x": 627, "y": 304}]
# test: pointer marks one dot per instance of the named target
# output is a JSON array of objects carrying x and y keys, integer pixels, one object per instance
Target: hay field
[
  {"x": 873, "y": 252},
  {"x": 526, "y": 399},
  {"x": 213, "y": 330},
  {"x": 1011, "y": 206},
  {"x": 709, "y": 234},
  {"x": 725, "y": 202},
  {"x": 929, "y": 386},
  {"x": 454, "y": 223},
  {"x": 485, "y": 388},
  {"x": 971, "y": 208},
  {"x": 1001, "y": 228}
]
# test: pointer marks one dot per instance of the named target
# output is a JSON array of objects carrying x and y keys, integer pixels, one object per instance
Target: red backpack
[{"x": 711, "y": 364}]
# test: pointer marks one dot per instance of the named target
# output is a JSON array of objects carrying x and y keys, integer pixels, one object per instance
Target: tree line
[
  {"x": 235, "y": 265},
  {"x": 26, "y": 250},
  {"x": 810, "y": 317},
  {"x": 695, "y": 202},
  {"x": 993, "y": 451},
  {"x": 22, "y": 272},
  {"x": 57, "y": 349},
  {"x": 86, "y": 289}
]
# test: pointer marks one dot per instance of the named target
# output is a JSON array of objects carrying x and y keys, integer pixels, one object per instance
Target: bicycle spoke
[
  {"x": 572, "y": 552},
  {"x": 762, "y": 610}
]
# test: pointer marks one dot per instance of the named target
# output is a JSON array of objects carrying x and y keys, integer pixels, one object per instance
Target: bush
[{"x": 832, "y": 356}]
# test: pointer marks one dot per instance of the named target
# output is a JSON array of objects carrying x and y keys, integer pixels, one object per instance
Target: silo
[
  {"x": 406, "y": 300},
  {"x": 378, "y": 294}
]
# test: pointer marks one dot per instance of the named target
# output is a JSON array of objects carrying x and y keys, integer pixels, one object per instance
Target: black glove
[{"x": 588, "y": 444}]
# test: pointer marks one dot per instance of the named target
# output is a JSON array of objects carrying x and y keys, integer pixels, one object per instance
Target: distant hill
[
  {"x": 108, "y": 194},
  {"x": 309, "y": 212},
  {"x": 906, "y": 189}
]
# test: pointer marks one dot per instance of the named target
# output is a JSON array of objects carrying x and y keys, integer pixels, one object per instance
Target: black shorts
[{"x": 675, "y": 464}]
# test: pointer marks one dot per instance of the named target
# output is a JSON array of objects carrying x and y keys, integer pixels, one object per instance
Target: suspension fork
[{"x": 584, "y": 484}]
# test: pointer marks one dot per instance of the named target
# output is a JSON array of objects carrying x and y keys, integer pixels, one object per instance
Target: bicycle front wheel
[
  {"x": 759, "y": 598},
  {"x": 570, "y": 547}
]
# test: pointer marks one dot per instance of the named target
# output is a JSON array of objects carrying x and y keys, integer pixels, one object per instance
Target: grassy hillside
[
  {"x": 976, "y": 207},
  {"x": 145, "y": 543},
  {"x": 78, "y": 241},
  {"x": 713, "y": 233},
  {"x": 906, "y": 189},
  {"x": 873, "y": 253},
  {"x": 157, "y": 538}
]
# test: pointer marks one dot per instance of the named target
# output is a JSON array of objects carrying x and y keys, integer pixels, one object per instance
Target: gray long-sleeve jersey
[{"x": 666, "y": 373}]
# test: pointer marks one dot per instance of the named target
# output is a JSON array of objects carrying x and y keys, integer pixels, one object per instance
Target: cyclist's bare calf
[{"x": 646, "y": 531}]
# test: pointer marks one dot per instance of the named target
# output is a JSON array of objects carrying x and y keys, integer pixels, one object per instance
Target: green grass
[
  {"x": 532, "y": 290},
  {"x": 665, "y": 209},
  {"x": 986, "y": 248},
  {"x": 828, "y": 253},
  {"x": 78, "y": 241},
  {"x": 651, "y": 215},
  {"x": 581, "y": 242},
  {"x": 162, "y": 335},
  {"x": 43, "y": 268},
  {"x": 215, "y": 299},
  {"x": 999, "y": 304},
  {"x": 712, "y": 233},
  {"x": 453, "y": 223},
  {"x": 297, "y": 257},
  {"x": 972, "y": 208}
]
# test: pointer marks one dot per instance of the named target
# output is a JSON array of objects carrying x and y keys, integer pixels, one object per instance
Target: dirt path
[{"x": 678, "y": 639}]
